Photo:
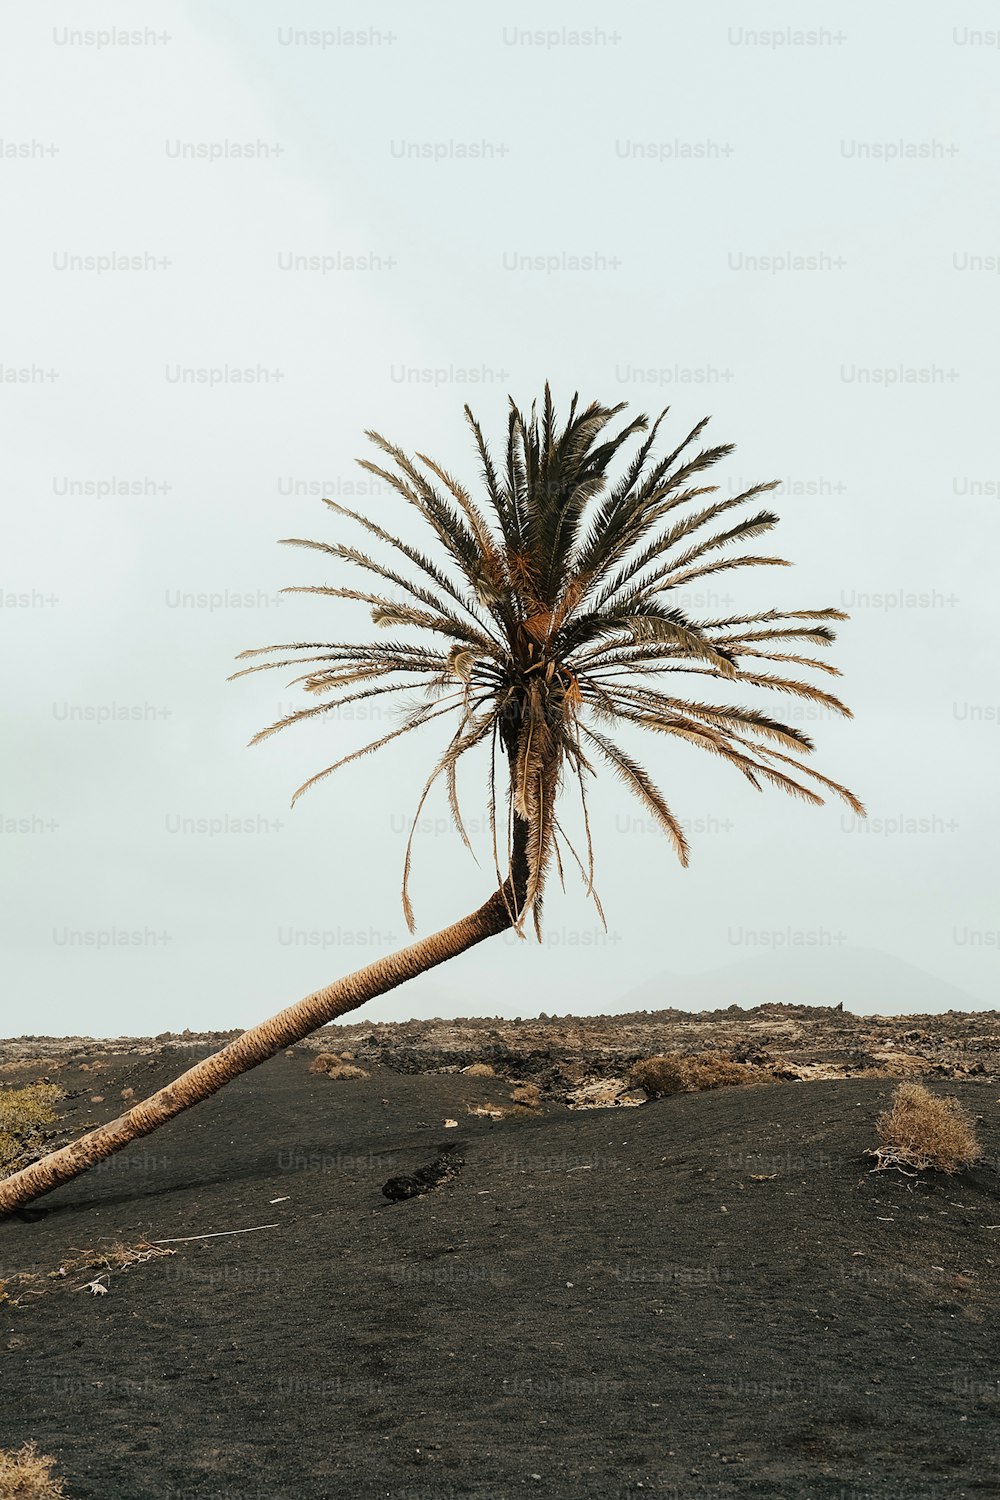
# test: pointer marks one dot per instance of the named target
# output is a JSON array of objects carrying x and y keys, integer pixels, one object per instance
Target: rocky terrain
[{"x": 584, "y": 1060}]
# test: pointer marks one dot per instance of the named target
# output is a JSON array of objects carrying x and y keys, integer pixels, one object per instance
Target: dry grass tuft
[
  {"x": 25, "y": 1115},
  {"x": 333, "y": 1066},
  {"x": 528, "y": 1095},
  {"x": 921, "y": 1130},
  {"x": 525, "y": 1100},
  {"x": 27, "y": 1475},
  {"x": 22, "y": 1285},
  {"x": 478, "y": 1070},
  {"x": 673, "y": 1073},
  {"x": 37, "y": 1065},
  {"x": 119, "y": 1257}
]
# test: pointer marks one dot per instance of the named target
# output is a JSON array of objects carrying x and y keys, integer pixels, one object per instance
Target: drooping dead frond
[
  {"x": 470, "y": 732},
  {"x": 636, "y": 779},
  {"x": 323, "y": 708},
  {"x": 416, "y": 719}
]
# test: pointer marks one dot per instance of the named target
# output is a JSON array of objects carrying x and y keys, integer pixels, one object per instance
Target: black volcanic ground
[{"x": 703, "y": 1296}]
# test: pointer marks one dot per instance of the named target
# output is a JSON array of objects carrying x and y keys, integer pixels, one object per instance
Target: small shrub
[
  {"x": 478, "y": 1070},
  {"x": 674, "y": 1073},
  {"x": 324, "y": 1060},
  {"x": 27, "y": 1475},
  {"x": 24, "y": 1115},
  {"x": 921, "y": 1130},
  {"x": 331, "y": 1064}
]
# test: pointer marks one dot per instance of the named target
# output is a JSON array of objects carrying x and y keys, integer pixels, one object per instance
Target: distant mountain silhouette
[{"x": 862, "y": 979}]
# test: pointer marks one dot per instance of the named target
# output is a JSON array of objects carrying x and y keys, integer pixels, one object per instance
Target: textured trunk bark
[{"x": 262, "y": 1042}]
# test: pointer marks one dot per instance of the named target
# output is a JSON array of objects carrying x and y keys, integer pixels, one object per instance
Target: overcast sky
[{"x": 380, "y": 213}]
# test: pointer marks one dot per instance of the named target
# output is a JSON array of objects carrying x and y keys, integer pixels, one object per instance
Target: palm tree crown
[{"x": 552, "y": 601}]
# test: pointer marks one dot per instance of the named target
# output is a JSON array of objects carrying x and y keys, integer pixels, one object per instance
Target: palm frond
[
  {"x": 724, "y": 565},
  {"x": 753, "y": 766},
  {"x": 389, "y": 612},
  {"x": 770, "y": 616},
  {"x": 498, "y": 497},
  {"x": 637, "y": 781},
  {"x": 798, "y": 661},
  {"x": 425, "y": 564},
  {"x": 418, "y": 718},
  {"x": 324, "y": 708},
  {"x": 469, "y": 733},
  {"x": 389, "y": 575},
  {"x": 722, "y": 715},
  {"x": 680, "y": 529}
]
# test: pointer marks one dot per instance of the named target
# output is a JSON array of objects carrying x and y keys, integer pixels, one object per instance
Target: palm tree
[{"x": 543, "y": 623}]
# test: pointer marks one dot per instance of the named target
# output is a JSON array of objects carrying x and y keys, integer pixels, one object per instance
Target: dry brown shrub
[
  {"x": 331, "y": 1064},
  {"x": 27, "y": 1475},
  {"x": 24, "y": 1115},
  {"x": 324, "y": 1060},
  {"x": 478, "y": 1070},
  {"x": 527, "y": 1094},
  {"x": 673, "y": 1073},
  {"x": 921, "y": 1130}
]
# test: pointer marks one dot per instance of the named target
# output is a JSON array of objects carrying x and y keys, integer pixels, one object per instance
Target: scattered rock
[
  {"x": 600, "y": 1093},
  {"x": 424, "y": 1179}
]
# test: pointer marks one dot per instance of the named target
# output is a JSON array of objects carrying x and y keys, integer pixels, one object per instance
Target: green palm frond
[{"x": 552, "y": 593}]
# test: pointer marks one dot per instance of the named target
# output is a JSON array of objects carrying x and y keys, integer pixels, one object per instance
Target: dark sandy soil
[{"x": 704, "y": 1296}]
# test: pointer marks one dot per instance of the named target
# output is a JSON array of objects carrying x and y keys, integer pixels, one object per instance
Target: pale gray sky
[{"x": 788, "y": 223}]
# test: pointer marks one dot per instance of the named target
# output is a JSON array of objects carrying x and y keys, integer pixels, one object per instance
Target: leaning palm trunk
[{"x": 256, "y": 1046}]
